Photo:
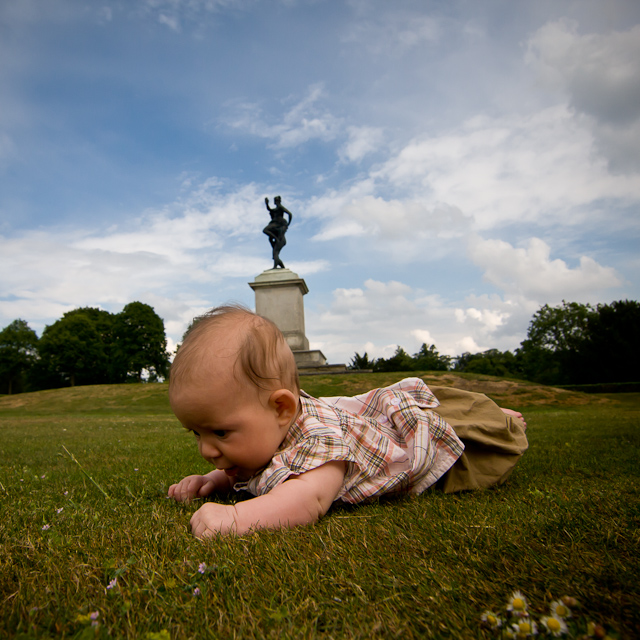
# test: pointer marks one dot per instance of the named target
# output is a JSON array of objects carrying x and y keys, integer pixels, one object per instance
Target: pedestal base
[
  {"x": 309, "y": 358},
  {"x": 279, "y": 299}
]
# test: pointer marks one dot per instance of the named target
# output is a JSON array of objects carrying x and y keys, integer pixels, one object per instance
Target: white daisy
[
  {"x": 560, "y": 610},
  {"x": 555, "y": 626},
  {"x": 525, "y": 628},
  {"x": 517, "y": 604},
  {"x": 491, "y": 619}
]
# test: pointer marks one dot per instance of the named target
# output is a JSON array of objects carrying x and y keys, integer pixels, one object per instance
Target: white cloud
[
  {"x": 530, "y": 272},
  {"x": 361, "y": 142},
  {"x": 169, "y": 21},
  {"x": 379, "y": 316},
  {"x": 403, "y": 229},
  {"x": 303, "y": 122},
  {"x": 422, "y": 336},
  {"x": 601, "y": 72},
  {"x": 511, "y": 169},
  {"x": 600, "y": 76},
  {"x": 391, "y": 33},
  {"x": 489, "y": 319}
]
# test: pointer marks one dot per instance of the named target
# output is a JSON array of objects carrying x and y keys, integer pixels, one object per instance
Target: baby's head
[
  {"x": 235, "y": 380},
  {"x": 251, "y": 348}
]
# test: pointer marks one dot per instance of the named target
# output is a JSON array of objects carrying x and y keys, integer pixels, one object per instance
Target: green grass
[{"x": 566, "y": 522}]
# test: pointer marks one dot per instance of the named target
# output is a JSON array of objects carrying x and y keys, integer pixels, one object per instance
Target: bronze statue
[{"x": 276, "y": 229}]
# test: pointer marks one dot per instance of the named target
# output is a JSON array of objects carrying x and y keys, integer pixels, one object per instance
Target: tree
[
  {"x": 399, "y": 361},
  {"x": 491, "y": 362},
  {"x": 103, "y": 322},
  {"x": 72, "y": 349},
  {"x": 556, "y": 335},
  {"x": 611, "y": 350},
  {"x": 18, "y": 352},
  {"x": 140, "y": 343},
  {"x": 359, "y": 363},
  {"x": 428, "y": 359}
]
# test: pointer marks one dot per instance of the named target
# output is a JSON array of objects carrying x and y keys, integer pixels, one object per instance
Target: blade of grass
[{"x": 104, "y": 493}]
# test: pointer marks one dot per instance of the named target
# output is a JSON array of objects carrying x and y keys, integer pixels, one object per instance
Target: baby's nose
[{"x": 208, "y": 449}]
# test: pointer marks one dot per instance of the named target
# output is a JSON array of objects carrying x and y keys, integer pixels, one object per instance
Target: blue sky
[{"x": 450, "y": 166}]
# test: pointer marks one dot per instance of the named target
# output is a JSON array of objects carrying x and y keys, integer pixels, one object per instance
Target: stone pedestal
[{"x": 279, "y": 299}]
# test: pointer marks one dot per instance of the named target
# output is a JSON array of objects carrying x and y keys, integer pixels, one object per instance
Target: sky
[{"x": 451, "y": 165}]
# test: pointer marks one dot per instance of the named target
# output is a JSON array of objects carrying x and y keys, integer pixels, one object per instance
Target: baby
[{"x": 234, "y": 383}]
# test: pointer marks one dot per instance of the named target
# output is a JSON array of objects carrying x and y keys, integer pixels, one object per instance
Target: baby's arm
[
  {"x": 199, "y": 486},
  {"x": 302, "y": 499}
]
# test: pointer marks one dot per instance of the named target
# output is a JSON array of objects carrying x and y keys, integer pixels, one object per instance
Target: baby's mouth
[{"x": 231, "y": 471}]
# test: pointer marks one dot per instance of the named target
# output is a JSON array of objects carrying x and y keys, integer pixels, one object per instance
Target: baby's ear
[{"x": 285, "y": 403}]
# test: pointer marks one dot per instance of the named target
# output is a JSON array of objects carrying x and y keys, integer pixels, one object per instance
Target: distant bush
[{"x": 426, "y": 359}]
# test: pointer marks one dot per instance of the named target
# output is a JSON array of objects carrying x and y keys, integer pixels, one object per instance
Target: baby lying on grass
[{"x": 234, "y": 383}]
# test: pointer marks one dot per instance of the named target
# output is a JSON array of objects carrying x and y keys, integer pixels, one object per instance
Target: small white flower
[
  {"x": 560, "y": 610},
  {"x": 113, "y": 583},
  {"x": 202, "y": 567},
  {"x": 60, "y": 510},
  {"x": 525, "y": 628},
  {"x": 491, "y": 619},
  {"x": 46, "y": 526},
  {"x": 517, "y": 604},
  {"x": 555, "y": 626}
]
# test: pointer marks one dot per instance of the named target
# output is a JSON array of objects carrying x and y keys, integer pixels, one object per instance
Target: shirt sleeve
[{"x": 313, "y": 446}]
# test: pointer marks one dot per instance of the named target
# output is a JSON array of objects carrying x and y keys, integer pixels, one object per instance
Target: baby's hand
[
  {"x": 191, "y": 487},
  {"x": 211, "y": 519}
]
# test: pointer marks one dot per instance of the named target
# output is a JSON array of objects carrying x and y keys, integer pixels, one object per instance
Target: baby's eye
[
  {"x": 219, "y": 433},
  {"x": 195, "y": 433}
]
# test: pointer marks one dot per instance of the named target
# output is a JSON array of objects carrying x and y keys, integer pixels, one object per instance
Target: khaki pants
[{"x": 493, "y": 441}]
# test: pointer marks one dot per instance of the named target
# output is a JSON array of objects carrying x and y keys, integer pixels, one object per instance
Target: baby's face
[{"x": 236, "y": 428}]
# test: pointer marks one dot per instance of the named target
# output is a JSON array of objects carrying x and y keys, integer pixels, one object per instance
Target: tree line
[
  {"x": 85, "y": 346},
  {"x": 569, "y": 344}
]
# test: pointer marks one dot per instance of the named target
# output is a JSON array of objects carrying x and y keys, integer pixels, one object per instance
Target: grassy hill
[
  {"x": 152, "y": 398},
  {"x": 87, "y": 534}
]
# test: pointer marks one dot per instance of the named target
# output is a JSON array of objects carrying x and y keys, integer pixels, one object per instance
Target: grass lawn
[{"x": 85, "y": 529}]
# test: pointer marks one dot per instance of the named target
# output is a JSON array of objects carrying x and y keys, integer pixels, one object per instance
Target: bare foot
[{"x": 515, "y": 414}]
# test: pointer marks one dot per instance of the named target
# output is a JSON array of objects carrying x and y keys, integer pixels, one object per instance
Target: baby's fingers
[
  {"x": 212, "y": 519},
  {"x": 206, "y": 488},
  {"x": 186, "y": 489},
  {"x": 199, "y": 528}
]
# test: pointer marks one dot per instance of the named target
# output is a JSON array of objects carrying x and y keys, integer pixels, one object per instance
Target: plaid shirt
[{"x": 389, "y": 438}]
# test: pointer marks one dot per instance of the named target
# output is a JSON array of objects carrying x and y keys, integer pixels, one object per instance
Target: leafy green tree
[
  {"x": 491, "y": 362},
  {"x": 428, "y": 359},
  {"x": 140, "y": 343},
  {"x": 556, "y": 335},
  {"x": 103, "y": 322},
  {"x": 611, "y": 351},
  {"x": 399, "y": 361},
  {"x": 71, "y": 349},
  {"x": 18, "y": 352},
  {"x": 358, "y": 362}
]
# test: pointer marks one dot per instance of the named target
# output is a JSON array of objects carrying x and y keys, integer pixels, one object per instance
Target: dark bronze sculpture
[{"x": 276, "y": 229}]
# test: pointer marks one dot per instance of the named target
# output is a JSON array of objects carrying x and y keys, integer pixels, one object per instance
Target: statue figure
[{"x": 276, "y": 229}]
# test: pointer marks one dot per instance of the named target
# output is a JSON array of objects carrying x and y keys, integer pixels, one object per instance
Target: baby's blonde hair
[{"x": 264, "y": 357}]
